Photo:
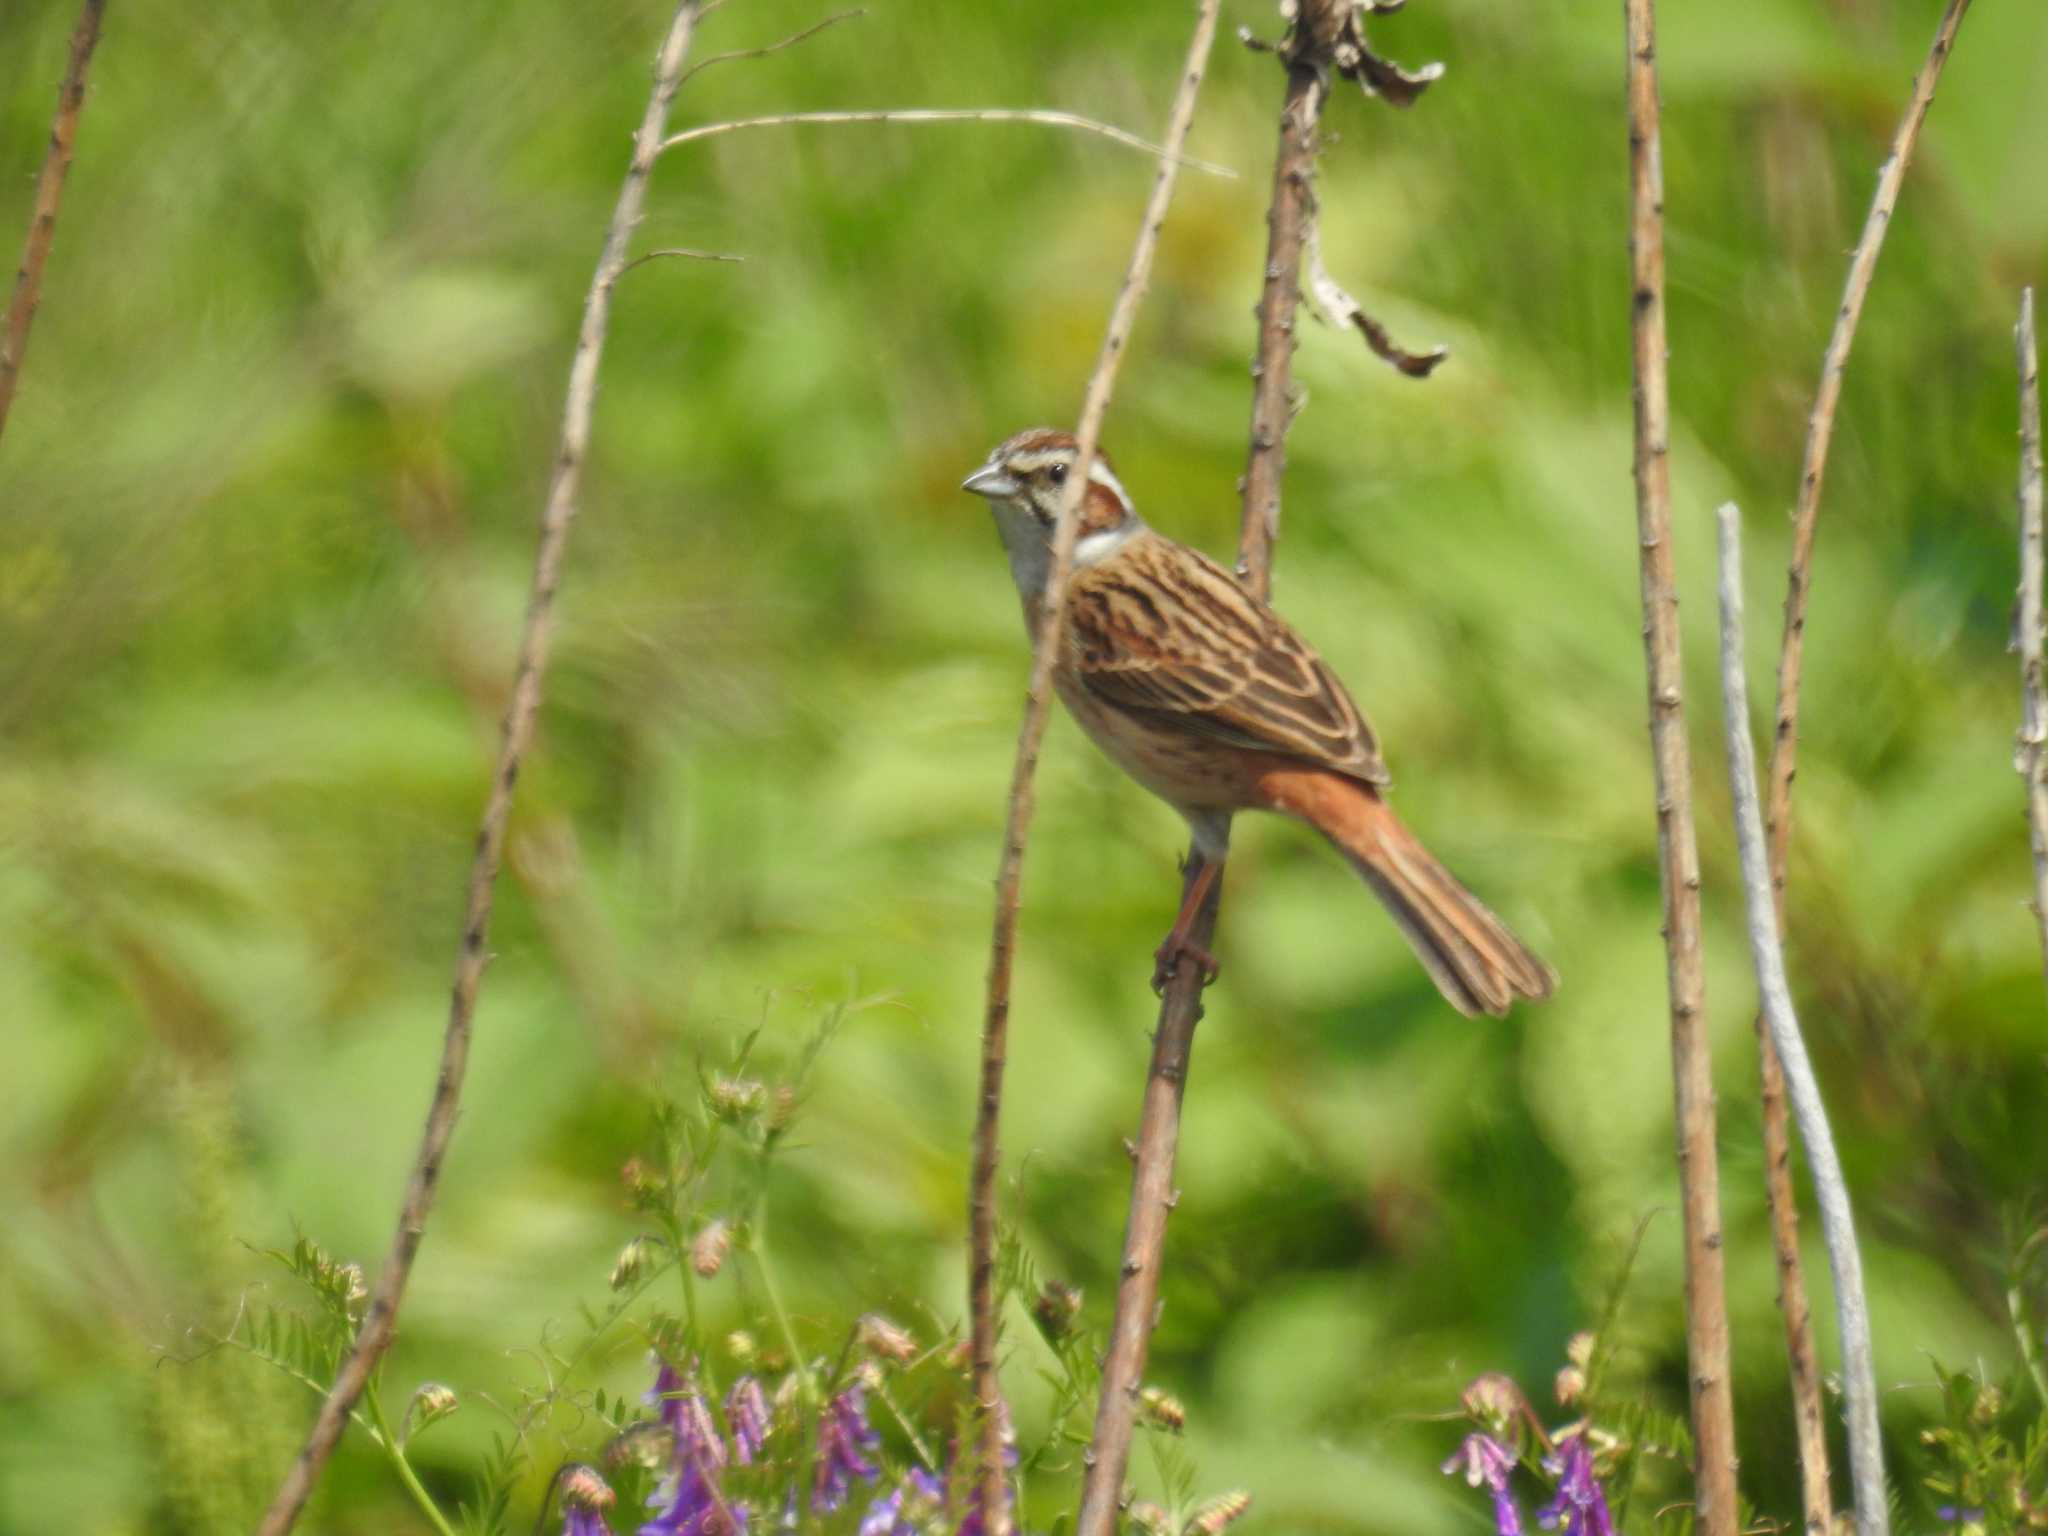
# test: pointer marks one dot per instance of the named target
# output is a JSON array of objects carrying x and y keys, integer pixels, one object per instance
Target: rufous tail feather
[{"x": 1475, "y": 961}]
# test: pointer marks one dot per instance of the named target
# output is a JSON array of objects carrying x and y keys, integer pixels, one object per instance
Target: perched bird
[{"x": 1208, "y": 698}]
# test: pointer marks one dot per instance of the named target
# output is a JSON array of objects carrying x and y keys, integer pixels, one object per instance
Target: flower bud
[
  {"x": 740, "y": 1345},
  {"x": 782, "y": 1107},
  {"x": 1162, "y": 1409},
  {"x": 1212, "y": 1515},
  {"x": 645, "y": 1443},
  {"x": 431, "y": 1401},
  {"x": 583, "y": 1489},
  {"x": 634, "y": 1260},
  {"x": 1571, "y": 1381},
  {"x": 643, "y": 1184},
  {"x": 881, "y": 1337},
  {"x": 708, "y": 1249},
  {"x": 1057, "y": 1307},
  {"x": 733, "y": 1099},
  {"x": 1579, "y": 1349},
  {"x": 1150, "y": 1518}
]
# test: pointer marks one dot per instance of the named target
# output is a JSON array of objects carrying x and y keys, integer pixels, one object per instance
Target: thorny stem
[
  {"x": 1706, "y": 1304},
  {"x": 1158, "y": 1139},
  {"x": 1831, "y": 1191},
  {"x": 381, "y": 1319},
  {"x": 1798, "y": 1316},
  {"x": 42, "y": 219},
  {"x": 981, "y": 1288}
]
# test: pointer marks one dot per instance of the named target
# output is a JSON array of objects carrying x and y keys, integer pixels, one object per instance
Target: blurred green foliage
[{"x": 266, "y": 507}]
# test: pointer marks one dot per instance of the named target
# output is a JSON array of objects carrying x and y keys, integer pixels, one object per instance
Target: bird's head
[{"x": 1025, "y": 480}]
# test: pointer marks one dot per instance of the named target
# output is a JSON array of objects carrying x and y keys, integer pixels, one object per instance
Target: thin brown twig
[
  {"x": 374, "y": 1335},
  {"x": 1820, "y": 431},
  {"x": 42, "y": 219},
  {"x": 991, "y": 1485},
  {"x": 2030, "y": 753},
  {"x": 1706, "y": 1304},
  {"x": 1307, "y": 54},
  {"x": 1774, "y": 994},
  {"x": 1801, "y": 1355},
  {"x": 801, "y": 35},
  {"x": 1045, "y": 118}
]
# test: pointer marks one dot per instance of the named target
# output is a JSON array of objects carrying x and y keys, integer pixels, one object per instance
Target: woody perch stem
[
  {"x": 1180, "y": 1009},
  {"x": 1706, "y": 1308},
  {"x": 1831, "y": 1193},
  {"x": 991, "y": 1491},
  {"x": 42, "y": 219},
  {"x": 1798, "y": 1317},
  {"x": 2030, "y": 754},
  {"x": 374, "y": 1335}
]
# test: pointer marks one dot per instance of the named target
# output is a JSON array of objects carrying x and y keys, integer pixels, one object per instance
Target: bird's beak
[{"x": 990, "y": 481}]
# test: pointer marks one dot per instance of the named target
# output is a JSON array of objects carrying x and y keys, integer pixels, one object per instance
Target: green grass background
[{"x": 267, "y": 504}]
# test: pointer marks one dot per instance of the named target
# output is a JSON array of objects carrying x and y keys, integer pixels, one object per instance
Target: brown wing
[{"x": 1163, "y": 631}]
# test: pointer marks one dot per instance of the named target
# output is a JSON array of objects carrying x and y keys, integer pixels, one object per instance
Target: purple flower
[
  {"x": 901, "y": 1511},
  {"x": 585, "y": 1498},
  {"x": 1580, "y": 1508},
  {"x": 1484, "y": 1460},
  {"x": 688, "y": 1498},
  {"x": 844, "y": 1438},
  {"x": 1949, "y": 1514},
  {"x": 746, "y": 1410}
]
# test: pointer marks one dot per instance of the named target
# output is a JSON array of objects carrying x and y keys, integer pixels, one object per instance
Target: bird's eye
[{"x": 1057, "y": 474}]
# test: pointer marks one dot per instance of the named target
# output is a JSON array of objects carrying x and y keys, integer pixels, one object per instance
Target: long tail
[{"x": 1475, "y": 961}]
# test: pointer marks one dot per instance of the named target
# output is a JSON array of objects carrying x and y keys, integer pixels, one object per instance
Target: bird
[{"x": 1207, "y": 697}]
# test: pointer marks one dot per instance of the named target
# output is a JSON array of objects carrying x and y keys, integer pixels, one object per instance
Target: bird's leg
[{"x": 1167, "y": 958}]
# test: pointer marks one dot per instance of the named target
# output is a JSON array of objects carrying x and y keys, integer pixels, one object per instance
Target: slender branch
[
  {"x": 1308, "y": 55},
  {"x": 801, "y": 35},
  {"x": 1288, "y": 221},
  {"x": 1820, "y": 430},
  {"x": 42, "y": 219},
  {"x": 991, "y": 1490},
  {"x": 374, "y": 1335},
  {"x": 1831, "y": 1193},
  {"x": 1706, "y": 1304},
  {"x": 2030, "y": 754},
  {"x": 1045, "y": 118},
  {"x": 1780, "y": 1196}
]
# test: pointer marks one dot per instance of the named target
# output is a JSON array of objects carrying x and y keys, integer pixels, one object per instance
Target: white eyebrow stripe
[{"x": 1103, "y": 475}]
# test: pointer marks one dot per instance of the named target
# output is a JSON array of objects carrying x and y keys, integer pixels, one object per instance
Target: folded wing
[{"x": 1163, "y": 631}]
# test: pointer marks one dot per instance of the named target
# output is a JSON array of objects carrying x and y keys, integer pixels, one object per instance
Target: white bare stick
[
  {"x": 1831, "y": 1193},
  {"x": 2030, "y": 752},
  {"x": 1044, "y": 118}
]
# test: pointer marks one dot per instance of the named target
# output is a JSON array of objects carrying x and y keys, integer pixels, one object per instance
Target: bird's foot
[{"x": 1167, "y": 957}]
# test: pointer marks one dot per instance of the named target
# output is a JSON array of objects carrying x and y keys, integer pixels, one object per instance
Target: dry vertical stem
[
  {"x": 1831, "y": 1192},
  {"x": 991, "y": 1490},
  {"x": 2030, "y": 754},
  {"x": 374, "y": 1335},
  {"x": 1321, "y": 29},
  {"x": 1798, "y": 1317},
  {"x": 1706, "y": 1306},
  {"x": 1820, "y": 432},
  {"x": 42, "y": 219}
]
